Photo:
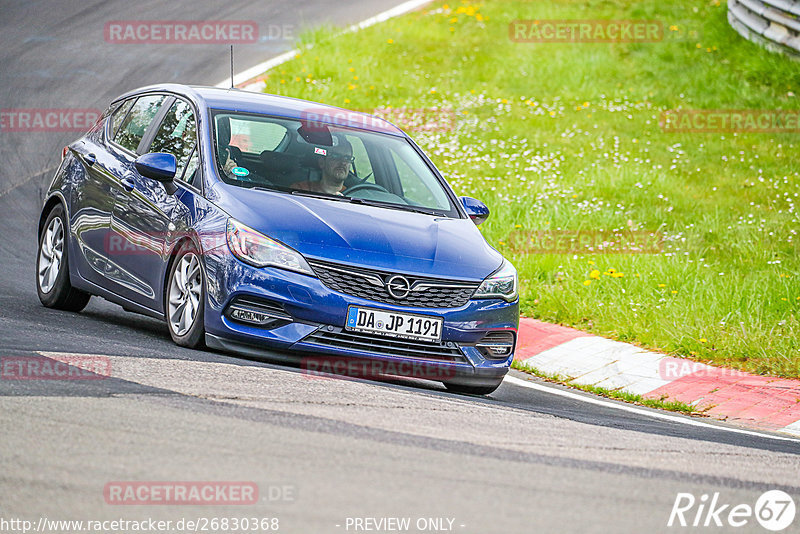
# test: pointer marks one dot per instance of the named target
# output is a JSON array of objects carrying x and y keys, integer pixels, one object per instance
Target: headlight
[
  {"x": 500, "y": 284},
  {"x": 259, "y": 250}
]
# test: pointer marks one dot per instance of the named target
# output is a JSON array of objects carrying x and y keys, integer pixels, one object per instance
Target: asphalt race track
[{"x": 322, "y": 451}]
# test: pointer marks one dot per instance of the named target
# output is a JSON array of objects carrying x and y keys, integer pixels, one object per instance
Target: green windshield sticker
[{"x": 240, "y": 171}]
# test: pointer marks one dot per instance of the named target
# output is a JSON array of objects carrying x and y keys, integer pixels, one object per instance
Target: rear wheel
[
  {"x": 52, "y": 266},
  {"x": 185, "y": 299},
  {"x": 483, "y": 389}
]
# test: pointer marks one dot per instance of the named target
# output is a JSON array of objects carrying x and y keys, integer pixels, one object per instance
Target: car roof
[{"x": 273, "y": 105}]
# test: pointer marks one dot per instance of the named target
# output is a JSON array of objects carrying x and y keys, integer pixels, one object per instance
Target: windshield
[{"x": 312, "y": 158}]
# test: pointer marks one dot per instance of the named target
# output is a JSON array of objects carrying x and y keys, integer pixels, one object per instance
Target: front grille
[
  {"x": 372, "y": 285},
  {"x": 341, "y": 339}
]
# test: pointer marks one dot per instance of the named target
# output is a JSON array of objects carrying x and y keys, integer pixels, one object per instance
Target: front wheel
[
  {"x": 185, "y": 299},
  {"x": 483, "y": 389},
  {"x": 52, "y": 266}
]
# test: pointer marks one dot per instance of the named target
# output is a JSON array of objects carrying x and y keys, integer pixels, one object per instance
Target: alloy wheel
[
  {"x": 50, "y": 254},
  {"x": 185, "y": 292}
]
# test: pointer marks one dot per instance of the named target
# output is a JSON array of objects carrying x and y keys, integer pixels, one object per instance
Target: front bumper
[{"x": 316, "y": 337}]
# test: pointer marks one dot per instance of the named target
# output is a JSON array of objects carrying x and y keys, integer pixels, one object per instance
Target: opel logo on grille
[{"x": 398, "y": 287}]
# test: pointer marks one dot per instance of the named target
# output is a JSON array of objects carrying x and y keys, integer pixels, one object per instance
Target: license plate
[{"x": 399, "y": 325}]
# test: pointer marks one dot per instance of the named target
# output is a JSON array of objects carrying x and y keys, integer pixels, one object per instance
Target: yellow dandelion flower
[
  {"x": 517, "y": 226},
  {"x": 703, "y": 340},
  {"x": 591, "y": 262},
  {"x": 674, "y": 292},
  {"x": 346, "y": 100},
  {"x": 352, "y": 69},
  {"x": 390, "y": 41},
  {"x": 587, "y": 282},
  {"x": 595, "y": 274},
  {"x": 662, "y": 285}
]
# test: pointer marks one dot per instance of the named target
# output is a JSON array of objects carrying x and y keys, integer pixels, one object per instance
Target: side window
[
  {"x": 137, "y": 121},
  {"x": 361, "y": 163},
  {"x": 177, "y": 135},
  {"x": 191, "y": 169},
  {"x": 119, "y": 116}
]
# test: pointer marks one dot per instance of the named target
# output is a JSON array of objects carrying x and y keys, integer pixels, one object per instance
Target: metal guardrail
[{"x": 775, "y": 24}]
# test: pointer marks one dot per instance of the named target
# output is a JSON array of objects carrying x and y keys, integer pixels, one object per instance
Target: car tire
[
  {"x": 52, "y": 266},
  {"x": 472, "y": 389},
  {"x": 184, "y": 298}
]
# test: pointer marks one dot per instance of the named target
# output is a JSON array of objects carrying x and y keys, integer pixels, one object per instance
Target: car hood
[{"x": 367, "y": 236}]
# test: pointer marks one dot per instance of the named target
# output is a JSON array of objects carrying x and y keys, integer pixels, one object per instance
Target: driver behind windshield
[{"x": 335, "y": 167}]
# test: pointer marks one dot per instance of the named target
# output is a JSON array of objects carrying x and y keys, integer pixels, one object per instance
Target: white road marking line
[
  {"x": 261, "y": 68},
  {"x": 638, "y": 411},
  {"x": 510, "y": 379}
]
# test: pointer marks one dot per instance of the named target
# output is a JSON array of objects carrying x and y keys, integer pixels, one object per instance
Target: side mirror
[
  {"x": 158, "y": 166},
  {"x": 476, "y": 209}
]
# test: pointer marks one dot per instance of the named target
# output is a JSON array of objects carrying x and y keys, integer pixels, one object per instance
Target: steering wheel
[{"x": 364, "y": 187}]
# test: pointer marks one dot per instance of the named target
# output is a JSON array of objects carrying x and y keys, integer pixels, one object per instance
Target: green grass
[
  {"x": 632, "y": 398},
  {"x": 566, "y": 137}
]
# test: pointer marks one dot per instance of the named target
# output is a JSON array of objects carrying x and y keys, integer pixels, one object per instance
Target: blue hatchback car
[{"x": 280, "y": 229}]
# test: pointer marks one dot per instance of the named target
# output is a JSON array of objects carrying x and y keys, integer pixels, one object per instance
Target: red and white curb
[{"x": 762, "y": 402}]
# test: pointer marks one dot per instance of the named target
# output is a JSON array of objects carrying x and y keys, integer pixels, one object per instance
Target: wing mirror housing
[
  {"x": 476, "y": 209},
  {"x": 158, "y": 166}
]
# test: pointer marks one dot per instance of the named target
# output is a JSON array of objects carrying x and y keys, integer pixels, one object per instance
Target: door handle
[
  {"x": 128, "y": 184},
  {"x": 90, "y": 159}
]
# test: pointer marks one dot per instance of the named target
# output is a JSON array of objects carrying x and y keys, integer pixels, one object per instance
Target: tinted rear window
[{"x": 138, "y": 121}]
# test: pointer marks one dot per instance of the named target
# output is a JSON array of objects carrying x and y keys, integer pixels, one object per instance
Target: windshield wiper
[
  {"x": 356, "y": 200},
  {"x": 400, "y": 207},
  {"x": 313, "y": 194}
]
